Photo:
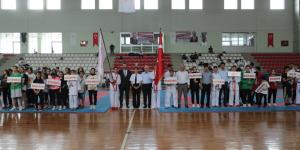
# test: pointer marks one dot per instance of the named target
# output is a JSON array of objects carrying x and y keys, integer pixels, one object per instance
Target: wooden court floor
[{"x": 149, "y": 129}]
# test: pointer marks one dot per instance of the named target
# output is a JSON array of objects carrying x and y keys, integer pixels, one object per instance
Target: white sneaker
[
  {"x": 274, "y": 104},
  {"x": 20, "y": 108},
  {"x": 249, "y": 105},
  {"x": 91, "y": 107},
  {"x": 59, "y": 107},
  {"x": 193, "y": 105},
  {"x": 94, "y": 107},
  {"x": 269, "y": 104},
  {"x": 244, "y": 105},
  {"x": 12, "y": 108},
  {"x": 53, "y": 108},
  {"x": 64, "y": 107}
]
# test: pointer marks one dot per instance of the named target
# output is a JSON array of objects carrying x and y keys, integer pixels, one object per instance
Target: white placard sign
[
  {"x": 298, "y": 75},
  {"x": 275, "y": 79},
  {"x": 195, "y": 75},
  {"x": 170, "y": 80},
  {"x": 92, "y": 81},
  {"x": 38, "y": 86},
  {"x": 234, "y": 74},
  {"x": 71, "y": 77},
  {"x": 292, "y": 74},
  {"x": 14, "y": 79},
  {"x": 249, "y": 75},
  {"x": 53, "y": 82},
  {"x": 218, "y": 82}
]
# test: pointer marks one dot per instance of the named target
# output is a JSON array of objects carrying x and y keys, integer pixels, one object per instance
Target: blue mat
[
  {"x": 226, "y": 109},
  {"x": 102, "y": 106}
]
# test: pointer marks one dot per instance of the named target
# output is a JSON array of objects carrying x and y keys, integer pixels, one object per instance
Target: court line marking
[{"x": 127, "y": 131}]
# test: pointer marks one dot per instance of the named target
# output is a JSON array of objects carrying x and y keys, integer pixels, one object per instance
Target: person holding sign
[
  {"x": 215, "y": 87},
  {"x": 171, "y": 93},
  {"x": 63, "y": 92},
  {"x": 272, "y": 89},
  {"x": 81, "y": 92},
  {"x": 206, "y": 84},
  {"x": 38, "y": 93},
  {"x": 74, "y": 87},
  {"x": 114, "y": 88},
  {"x": 5, "y": 87},
  {"x": 262, "y": 91},
  {"x": 53, "y": 90},
  {"x": 15, "y": 89},
  {"x": 246, "y": 86},
  {"x": 195, "y": 89},
  {"x": 234, "y": 89},
  {"x": 25, "y": 95},
  {"x": 182, "y": 85},
  {"x": 136, "y": 83},
  {"x": 92, "y": 89}
]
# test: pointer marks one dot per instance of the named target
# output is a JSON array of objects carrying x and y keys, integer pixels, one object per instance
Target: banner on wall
[
  {"x": 270, "y": 39},
  {"x": 95, "y": 39},
  {"x": 186, "y": 36}
]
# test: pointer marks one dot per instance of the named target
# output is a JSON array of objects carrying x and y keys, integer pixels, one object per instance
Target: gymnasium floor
[{"x": 149, "y": 129}]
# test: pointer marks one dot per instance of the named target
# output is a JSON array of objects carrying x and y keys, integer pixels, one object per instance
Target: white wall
[{"x": 213, "y": 19}]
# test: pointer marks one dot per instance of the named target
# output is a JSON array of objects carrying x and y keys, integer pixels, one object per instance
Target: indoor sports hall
[{"x": 150, "y": 74}]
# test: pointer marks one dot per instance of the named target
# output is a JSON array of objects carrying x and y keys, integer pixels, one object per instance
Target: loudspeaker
[{"x": 24, "y": 37}]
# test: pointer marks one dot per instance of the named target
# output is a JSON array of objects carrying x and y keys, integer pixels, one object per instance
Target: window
[
  {"x": 10, "y": 43},
  {"x": 105, "y": 4},
  {"x": 196, "y": 4},
  {"x": 178, "y": 4},
  {"x": 54, "y": 4},
  {"x": 150, "y": 4},
  {"x": 51, "y": 42},
  {"x": 45, "y": 42},
  {"x": 237, "y": 39},
  {"x": 247, "y": 4},
  {"x": 33, "y": 43},
  {"x": 8, "y": 4},
  {"x": 230, "y": 4},
  {"x": 137, "y": 4},
  {"x": 277, "y": 4},
  {"x": 88, "y": 4},
  {"x": 36, "y": 4}
]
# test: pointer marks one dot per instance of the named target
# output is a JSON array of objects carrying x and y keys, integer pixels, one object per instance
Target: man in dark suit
[{"x": 125, "y": 75}]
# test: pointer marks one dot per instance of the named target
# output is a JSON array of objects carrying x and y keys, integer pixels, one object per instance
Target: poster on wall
[
  {"x": 142, "y": 38},
  {"x": 271, "y": 40},
  {"x": 83, "y": 43},
  {"x": 284, "y": 43}
]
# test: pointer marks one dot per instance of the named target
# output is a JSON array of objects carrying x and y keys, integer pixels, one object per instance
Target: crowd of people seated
[{"x": 217, "y": 86}]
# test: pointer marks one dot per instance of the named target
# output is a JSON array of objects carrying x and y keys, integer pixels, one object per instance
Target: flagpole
[{"x": 102, "y": 38}]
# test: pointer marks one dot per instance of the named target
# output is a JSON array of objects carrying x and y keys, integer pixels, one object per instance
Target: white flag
[
  {"x": 127, "y": 6},
  {"x": 101, "y": 58}
]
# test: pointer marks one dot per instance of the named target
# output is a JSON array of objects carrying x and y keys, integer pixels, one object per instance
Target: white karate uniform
[
  {"x": 114, "y": 90},
  {"x": 234, "y": 90},
  {"x": 215, "y": 90},
  {"x": 298, "y": 92},
  {"x": 74, "y": 87},
  {"x": 156, "y": 91},
  {"x": 171, "y": 94}
]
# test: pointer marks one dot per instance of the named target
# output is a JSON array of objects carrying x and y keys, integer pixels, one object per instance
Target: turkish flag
[
  {"x": 160, "y": 64},
  {"x": 95, "y": 39},
  {"x": 270, "y": 40}
]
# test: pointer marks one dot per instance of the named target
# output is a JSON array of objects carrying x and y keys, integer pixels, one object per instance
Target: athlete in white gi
[{"x": 115, "y": 81}]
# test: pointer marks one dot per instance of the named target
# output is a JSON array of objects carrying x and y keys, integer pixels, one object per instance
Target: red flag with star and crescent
[{"x": 160, "y": 65}]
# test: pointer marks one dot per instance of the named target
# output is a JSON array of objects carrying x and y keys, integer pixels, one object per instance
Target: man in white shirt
[
  {"x": 171, "y": 93},
  {"x": 147, "y": 78},
  {"x": 183, "y": 85},
  {"x": 136, "y": 84},
  {"x": 223, "y": 72}
]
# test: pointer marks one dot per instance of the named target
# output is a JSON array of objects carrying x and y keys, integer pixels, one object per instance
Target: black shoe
[
  {"x": 121, "y": 106},
  {"x": 186, "y": 106},
  {"x": 179, "y": 106},
  {"x": 207, "y": 106},
  {"x": 145, "y": 106},
  {"x": 202, "y": 106}
]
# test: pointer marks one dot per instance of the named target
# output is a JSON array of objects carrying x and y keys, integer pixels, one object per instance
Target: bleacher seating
[
  {"x": 71, "y": 60},
  {"x": 214, "y": 60},
  {"x": 132, "y": 61},
  {"x": 276, "y": 61}
]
